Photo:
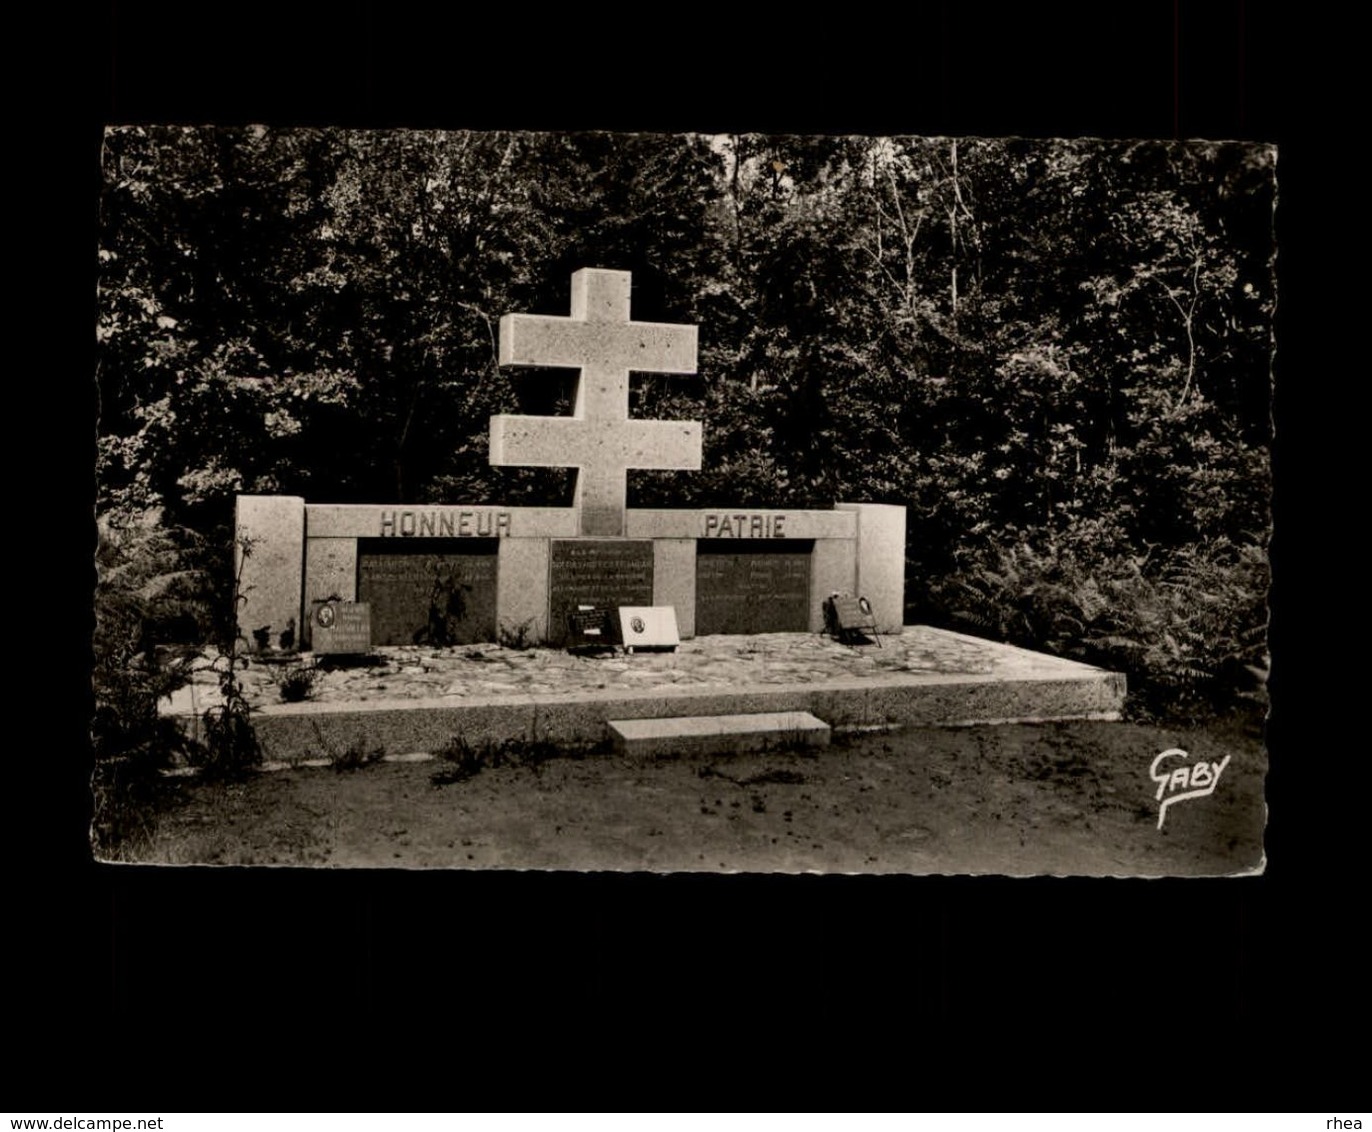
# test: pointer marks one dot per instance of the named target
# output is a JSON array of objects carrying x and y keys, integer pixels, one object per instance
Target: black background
[{"x": 274, "y": 971}]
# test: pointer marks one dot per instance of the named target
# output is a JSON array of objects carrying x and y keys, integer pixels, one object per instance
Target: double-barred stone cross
[{"x": 598, "y": 439}]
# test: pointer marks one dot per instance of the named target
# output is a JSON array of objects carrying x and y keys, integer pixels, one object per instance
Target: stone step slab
[{"x": 717, "y": 734}]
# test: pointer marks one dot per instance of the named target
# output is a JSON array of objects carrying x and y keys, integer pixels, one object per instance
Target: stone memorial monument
[{"x": 472, "y": 572}]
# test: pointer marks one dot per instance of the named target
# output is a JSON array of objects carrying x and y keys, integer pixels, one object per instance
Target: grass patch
[
  {"x": 296, "y": 684},
  {"x": 769, "y": 777},
  {"x": 777, "y": 777},
  {"x": 462, "y": 760},
  {"x": 354, "y": 756},
  {"x": 130, "y": 797},
  {"x": 518, "y": 636}
]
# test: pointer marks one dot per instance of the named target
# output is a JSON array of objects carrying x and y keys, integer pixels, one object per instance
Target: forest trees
[{"x": 1056, "y": 355}]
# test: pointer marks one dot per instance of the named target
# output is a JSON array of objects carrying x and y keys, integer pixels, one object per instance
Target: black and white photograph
[
  {"x": 677, "y": 502},
  {"x": 821, "y": 519}
]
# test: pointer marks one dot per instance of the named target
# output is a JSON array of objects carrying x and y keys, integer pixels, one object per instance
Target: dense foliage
[{"x": 1056, "y": 355}]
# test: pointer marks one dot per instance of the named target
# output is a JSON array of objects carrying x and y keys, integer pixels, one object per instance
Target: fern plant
[
  {"x": 231, "y": 747},
  {"x": 1188, "y": 624}
]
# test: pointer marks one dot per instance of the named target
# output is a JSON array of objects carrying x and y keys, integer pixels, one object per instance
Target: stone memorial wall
[
  {"x": 537, "y": 570},
  {"x": 479, "y": 571}
]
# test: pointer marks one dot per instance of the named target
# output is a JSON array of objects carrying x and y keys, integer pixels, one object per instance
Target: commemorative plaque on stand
[
  {"x": 849, "y": 619},
  {"x": 648, "y": 627},
  {"x": 342, "y": 628},
  {"x": 590, "y": 629}
]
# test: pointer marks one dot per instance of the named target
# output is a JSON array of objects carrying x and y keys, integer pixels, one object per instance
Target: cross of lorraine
[{"x": 598, "y": 439}]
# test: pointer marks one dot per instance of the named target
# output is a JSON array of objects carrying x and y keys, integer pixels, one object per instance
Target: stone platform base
[
  {"x": 717, "y": 734},
  {"x": 420, "y": 699}
]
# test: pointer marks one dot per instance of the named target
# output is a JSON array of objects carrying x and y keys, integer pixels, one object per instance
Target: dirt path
[{"x": 1068, "y": 798}]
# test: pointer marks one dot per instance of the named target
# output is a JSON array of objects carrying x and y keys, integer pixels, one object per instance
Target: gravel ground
[
  {"x": 721, "y": 661},
  {"x": 1063, "y": 798}
]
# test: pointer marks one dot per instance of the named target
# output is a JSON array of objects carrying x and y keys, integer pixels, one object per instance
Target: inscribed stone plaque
[
  {"x": 431, "y": 592},
  {"x": 750, "y": 587},
  {"x": 605, "y": 573},
  {"x": 341, "y": 627}
]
